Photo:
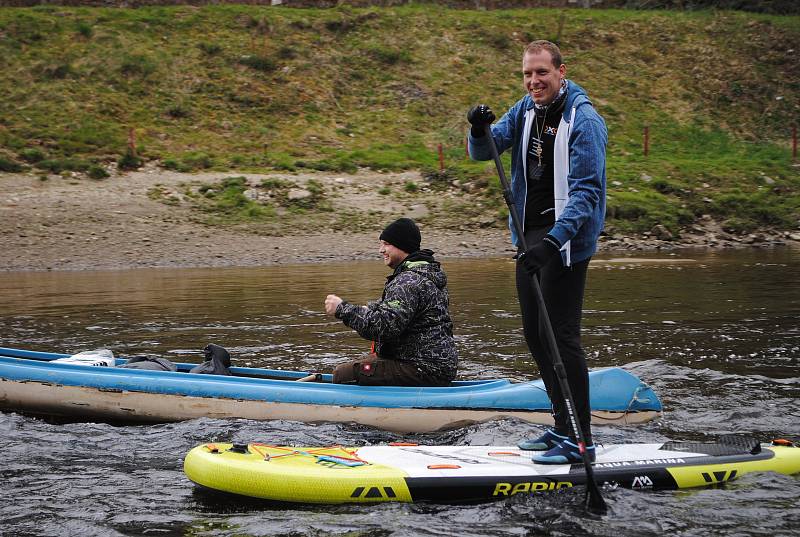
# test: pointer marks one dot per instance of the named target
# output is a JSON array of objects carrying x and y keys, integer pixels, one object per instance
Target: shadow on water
[{"x": 715, "y": 334}]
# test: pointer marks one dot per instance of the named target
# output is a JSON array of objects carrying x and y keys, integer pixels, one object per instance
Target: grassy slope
[{"x": 256, "y": 88}]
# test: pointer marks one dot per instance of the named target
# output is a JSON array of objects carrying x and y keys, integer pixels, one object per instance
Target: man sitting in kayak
[{"x": 410, "y": 325}]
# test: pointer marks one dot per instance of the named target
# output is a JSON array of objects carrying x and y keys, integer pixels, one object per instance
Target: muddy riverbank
[{"x": 72, "y": 223}]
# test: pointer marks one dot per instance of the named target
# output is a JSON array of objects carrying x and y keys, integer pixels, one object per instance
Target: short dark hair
[{"x": 552, "y": 48}]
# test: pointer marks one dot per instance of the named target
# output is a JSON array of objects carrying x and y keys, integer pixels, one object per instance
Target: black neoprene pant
[{"x": 562, "y": 288}]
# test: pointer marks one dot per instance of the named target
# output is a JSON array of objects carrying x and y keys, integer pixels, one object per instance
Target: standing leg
[
  {"x": 563, "y": 289},
  {"x": 537, "y": 344}
]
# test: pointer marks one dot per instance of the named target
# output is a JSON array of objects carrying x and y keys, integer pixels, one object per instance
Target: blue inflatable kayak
[{"x": 36, "y": 383}]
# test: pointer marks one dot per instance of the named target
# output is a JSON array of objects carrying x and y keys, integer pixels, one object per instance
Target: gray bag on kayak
[
  {"x": 152, "y": 363},
  {"x": 218, "y": 360}
]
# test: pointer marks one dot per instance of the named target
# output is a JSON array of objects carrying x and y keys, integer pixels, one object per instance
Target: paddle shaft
[{"x": 595, "y": 499}]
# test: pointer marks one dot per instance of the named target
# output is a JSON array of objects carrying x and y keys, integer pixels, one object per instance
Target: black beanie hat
[{"x": 404, "y": 234}]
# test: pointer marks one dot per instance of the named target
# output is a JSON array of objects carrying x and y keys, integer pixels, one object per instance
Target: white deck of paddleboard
[{"x": 507, "y": 460}]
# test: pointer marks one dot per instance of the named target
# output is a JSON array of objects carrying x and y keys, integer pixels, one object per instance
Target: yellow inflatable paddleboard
[{"x": 412, "y": 473}]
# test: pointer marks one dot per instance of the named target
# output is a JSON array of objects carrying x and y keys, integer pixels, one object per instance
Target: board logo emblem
[
  {"x": 509, "y": 489},
  {"x": 373, "y": 492},
  {"x": 641, "y": 481}
]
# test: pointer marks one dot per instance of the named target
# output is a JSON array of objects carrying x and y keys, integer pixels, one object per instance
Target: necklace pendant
[
  {"x": 535, "y": 172},
  {"x": 539, "y": 151}
]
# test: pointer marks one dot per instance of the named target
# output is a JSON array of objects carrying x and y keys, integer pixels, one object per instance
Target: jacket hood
[{"x": 423, "y": 263}]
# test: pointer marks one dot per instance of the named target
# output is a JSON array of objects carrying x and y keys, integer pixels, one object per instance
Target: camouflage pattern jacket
[{"x": 411, "y": 321}]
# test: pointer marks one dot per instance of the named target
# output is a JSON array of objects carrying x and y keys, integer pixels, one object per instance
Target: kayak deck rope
[
  {"x": 322, "y": 454},
  {"x": 624, "y": 413}
]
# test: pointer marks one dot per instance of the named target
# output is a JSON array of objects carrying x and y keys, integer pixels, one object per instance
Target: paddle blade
[{"x": 595, "y": 503}]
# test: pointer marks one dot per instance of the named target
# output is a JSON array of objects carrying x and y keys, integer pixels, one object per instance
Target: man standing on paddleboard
[
  {"x": 410, "y": 325},
  {"x": 558, "y": 185}
]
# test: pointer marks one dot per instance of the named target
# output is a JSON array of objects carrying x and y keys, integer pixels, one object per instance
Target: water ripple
[{"x": 714, "y": 337}]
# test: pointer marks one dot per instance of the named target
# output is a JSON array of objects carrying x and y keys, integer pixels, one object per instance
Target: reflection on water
[
  {"x": 733, "y": 312},
  {"x": 721, "y": 324},
  {"x": 716, "y": 334}
]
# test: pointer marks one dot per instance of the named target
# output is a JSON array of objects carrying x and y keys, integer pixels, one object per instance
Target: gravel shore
[{"x": 64, "y": 223}]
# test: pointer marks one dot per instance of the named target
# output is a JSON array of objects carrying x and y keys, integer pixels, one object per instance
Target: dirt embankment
[{"x": 78, "y": 224}]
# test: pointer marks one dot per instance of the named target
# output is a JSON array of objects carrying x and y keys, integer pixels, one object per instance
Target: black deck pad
[{"x": 730, "y": 444}]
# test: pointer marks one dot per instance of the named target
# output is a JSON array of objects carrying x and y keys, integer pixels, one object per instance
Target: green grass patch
[
  {"x": 8, "y": 165},
  {"x": 388, "y": 55},
  {"x": 285, "y": 193},
  {"x": 210, "y": 49},
  {"x": 163, "y": 195},
  {"x": 58, "y": 165},
  {"x": 254, "y": 88},
  {"x": 259, "y": 62},
  {"x": 97, "y": 172},
  {"x": 226, "y": 202},
  {"x": 190, "y": 161},
  {"x": 140, "y": 65},
  {"x": 129, "y": 161},
  {"x": 32, "y": 155}
]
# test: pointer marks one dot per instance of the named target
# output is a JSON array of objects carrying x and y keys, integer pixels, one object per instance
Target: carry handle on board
[{"x": 594, "y": 500}]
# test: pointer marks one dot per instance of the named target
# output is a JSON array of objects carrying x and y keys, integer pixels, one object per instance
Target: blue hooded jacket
[{"x": 583, "y": 217}]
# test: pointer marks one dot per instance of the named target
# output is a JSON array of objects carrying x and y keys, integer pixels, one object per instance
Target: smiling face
[
  {"x": 541, "y": 78},
  {"x": 392, "y": 255}
]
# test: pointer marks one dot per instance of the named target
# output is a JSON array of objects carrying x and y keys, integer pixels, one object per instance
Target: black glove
[
  {"x": 539, "y": 254},
  {"x": 215, "y": 352},
  {"x": 480, "y": 116}
]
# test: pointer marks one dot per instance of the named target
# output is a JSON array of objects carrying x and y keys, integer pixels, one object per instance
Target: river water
[{"x": 716, "y": 335}]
